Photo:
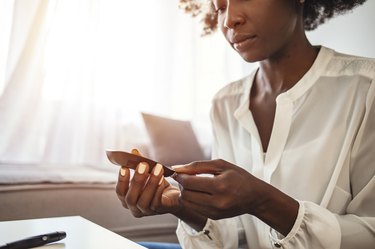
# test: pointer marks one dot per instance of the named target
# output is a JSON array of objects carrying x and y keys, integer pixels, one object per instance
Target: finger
[
  {"x": 122, "y": 185},
  {"x": 136, "y": 186},
  {"x": 136, "y": 152},
  {"x": 202, "y": 167},
  {"x": 150, "y": 189},
  {"x": 156, "y": 203},
  {"x": 196, "y": 183},
  {"x": 202, "y": 210},
  {"x": 200, "y": 198}
]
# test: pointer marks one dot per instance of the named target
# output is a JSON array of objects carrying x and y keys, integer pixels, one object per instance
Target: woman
[{"x": 293, "y": 141}]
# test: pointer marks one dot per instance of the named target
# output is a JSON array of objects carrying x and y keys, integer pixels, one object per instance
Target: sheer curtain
[{"x": 75, "y": 75}]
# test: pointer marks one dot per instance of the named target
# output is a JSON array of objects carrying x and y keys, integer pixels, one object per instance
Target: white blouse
[{"x": 321, "y": 152}]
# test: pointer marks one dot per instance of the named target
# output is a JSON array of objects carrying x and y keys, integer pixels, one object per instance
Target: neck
[{"x": 284, "y": 69}]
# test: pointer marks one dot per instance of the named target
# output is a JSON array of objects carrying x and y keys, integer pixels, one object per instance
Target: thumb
[{"x": 201, "y": 167}]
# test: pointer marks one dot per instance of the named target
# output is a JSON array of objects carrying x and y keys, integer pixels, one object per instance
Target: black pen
[{"x": 35, "y": 241}]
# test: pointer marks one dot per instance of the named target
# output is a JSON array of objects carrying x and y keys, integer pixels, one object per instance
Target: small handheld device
[
  {"x": 35, "y": 241},
  {"x": 129, "y": 160}
]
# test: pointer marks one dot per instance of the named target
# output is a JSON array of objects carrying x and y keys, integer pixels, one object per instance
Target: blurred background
[{"x": 75, "y": 74}]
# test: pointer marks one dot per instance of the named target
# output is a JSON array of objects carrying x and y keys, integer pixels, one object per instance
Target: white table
[{"x": 80, "y": 233}]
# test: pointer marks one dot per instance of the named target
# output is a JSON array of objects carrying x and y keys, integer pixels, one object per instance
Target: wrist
[
  {"x": 178, "y": 211},
  {"x": 278, "y": 210},
  {"x": 194, "y": 220}
]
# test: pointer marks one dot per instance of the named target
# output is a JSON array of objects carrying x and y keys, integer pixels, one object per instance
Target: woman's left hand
[{"x": 229, "y": 192}]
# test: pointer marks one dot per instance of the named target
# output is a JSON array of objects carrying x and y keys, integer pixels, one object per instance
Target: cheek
[
  {"x": 286, "y": 23},
  {"x": 279, "y": 31}
]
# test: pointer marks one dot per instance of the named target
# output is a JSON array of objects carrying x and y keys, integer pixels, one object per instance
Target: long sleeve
[
  {"x": 219, "y": 234},
  {"x": 353, "y": 226},
  {"x": 358, "y": 224},
  {"x": 315, "y": 228}
]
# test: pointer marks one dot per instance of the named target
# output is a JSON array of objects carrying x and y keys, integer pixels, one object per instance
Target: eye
[
  {"x": 220, "y": 10},
  {"x": 219, "y": 7}
]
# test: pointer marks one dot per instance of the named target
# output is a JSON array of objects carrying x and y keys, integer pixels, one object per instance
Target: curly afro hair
[{"x": 315, "y": 12}]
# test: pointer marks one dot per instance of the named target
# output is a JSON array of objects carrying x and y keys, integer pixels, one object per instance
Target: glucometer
[{"x": 129, "y": 160}]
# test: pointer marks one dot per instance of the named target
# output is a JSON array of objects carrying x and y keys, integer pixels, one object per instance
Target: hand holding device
[{"x": 129, "y": 160}]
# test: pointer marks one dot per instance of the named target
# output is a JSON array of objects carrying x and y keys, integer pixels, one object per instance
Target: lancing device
[
  {"x": 131, "y": 161},
  {"x": 35, "y": 241}
]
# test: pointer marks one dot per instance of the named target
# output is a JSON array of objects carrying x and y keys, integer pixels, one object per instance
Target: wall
[{"x": 353, "y": 32}]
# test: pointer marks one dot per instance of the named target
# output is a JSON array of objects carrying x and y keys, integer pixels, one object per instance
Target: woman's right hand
[{"x": 147, "y": 193}]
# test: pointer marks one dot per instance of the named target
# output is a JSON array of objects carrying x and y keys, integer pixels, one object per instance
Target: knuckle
[
  {"x": 156, "y": 207},
  {"x": 221, "y": 187},
  {"x": 194, "y": 164},
  {"x": 120, "y": 196},
  {"x": 223, "y": 204},
  {"x": 142, "y": 206},
  {"x": 124, "y": 205},
  {"x": 220, "y": 161},
  {"x": 137, "y": 214},
  {"x": 144, "y": 212}
]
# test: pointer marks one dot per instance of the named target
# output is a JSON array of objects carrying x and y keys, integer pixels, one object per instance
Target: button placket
[{"x": 279, "y": 136}]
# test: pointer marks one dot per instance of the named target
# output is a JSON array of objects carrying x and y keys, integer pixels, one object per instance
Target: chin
[
  {"x": 252, "y": 57},
  {"x": 253, "y": 53}
]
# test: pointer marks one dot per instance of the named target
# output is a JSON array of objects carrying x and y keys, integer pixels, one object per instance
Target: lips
[
  {"x": 240, "y": 38},
  {"x": 240, "y": 42}
]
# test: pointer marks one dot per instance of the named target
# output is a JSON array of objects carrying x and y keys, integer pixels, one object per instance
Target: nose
[{"x": 233, "y": 17}]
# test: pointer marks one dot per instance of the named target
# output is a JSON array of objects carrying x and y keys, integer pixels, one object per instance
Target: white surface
[{"x": 81, "y": 233}]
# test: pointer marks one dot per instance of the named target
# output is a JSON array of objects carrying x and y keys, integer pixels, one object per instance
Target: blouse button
[{"x": 277, "y": 244}]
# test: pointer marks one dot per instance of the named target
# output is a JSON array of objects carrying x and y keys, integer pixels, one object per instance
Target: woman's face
[{"x": 258, "y": 29}]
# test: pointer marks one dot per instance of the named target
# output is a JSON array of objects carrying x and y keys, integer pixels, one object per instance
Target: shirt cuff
[
  {"x": 278, "y": 240},
  {"x": 207, "y": 230},
  {"x": 209, "y": 237}
]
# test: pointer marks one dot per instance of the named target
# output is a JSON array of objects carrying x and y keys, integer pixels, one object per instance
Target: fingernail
[
  {"x": 136, "y": 152},
  {"x": 161, "y": 180},
  {"x": 141, "y": 168},
  {"x": 122, "y": 171},
  {"x": 157, "y": 169}
]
